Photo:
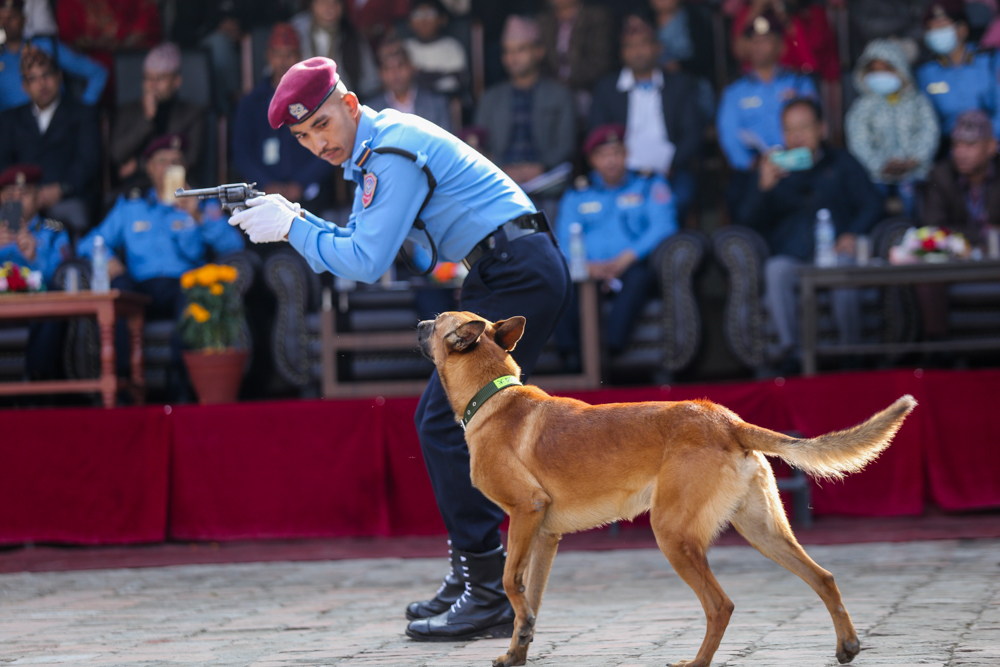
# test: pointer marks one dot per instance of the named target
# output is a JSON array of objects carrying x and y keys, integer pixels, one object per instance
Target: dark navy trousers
[{"x": 527, "y": 276}]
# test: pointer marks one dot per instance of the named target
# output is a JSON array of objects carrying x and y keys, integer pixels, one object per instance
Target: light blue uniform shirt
[
  {"x": 51, "y": 248},
  {"x": 638, "y": 213},
  {"x": 12, "y": 93},
  {"x": 953, "y": 89},
  {"x": 160, "y": 241},
  {"x": 749, "y": 117},
  {"x": 473, "y": 198}
]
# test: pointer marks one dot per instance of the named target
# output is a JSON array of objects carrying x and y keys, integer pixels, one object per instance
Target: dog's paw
[
  {"x": 526, "y": 632},
  {"x": 509, "y": 660},
  {"x": 684, "y": 663},
  {"x": 847, "y": 651}
]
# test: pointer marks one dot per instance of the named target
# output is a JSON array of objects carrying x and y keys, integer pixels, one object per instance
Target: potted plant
[{"x": 210, "y": 328}]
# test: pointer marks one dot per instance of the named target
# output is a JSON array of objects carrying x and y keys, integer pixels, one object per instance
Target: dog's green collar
[{"x": 477, "y": 401}]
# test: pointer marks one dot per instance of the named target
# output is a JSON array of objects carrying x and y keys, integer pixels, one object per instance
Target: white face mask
[
  {"x": 883, "y": 83},
  {"x": 942, "y": 41}
]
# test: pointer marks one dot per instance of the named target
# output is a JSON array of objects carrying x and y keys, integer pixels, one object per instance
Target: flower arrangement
[
  {"x": 929, "y": 244},
  {"x": 14, "y": 278},
  {"x": 212, "y": 320}
]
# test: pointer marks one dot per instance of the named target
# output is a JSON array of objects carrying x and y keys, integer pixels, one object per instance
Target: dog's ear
[
  {"x": 508, "y": 332},
  {"x": 465, "y": 335}
]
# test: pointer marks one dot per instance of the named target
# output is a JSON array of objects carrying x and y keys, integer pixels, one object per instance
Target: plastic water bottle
[
  {"x": 578, "y": 270},
  {"x": 825, "y": 255},
  {"x": 99, "y": 280}
]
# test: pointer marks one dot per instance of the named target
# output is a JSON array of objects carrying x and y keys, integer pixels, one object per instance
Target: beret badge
[{"x": 297, "y": 110}]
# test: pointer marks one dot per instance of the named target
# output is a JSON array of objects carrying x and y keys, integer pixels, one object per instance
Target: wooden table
[
  {"x": 107, "y": 307},
  {"x": 333, "y": 342},
  {"x": 880, "y": 275}
]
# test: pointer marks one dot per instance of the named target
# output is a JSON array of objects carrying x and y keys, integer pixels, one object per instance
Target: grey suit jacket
[
  {"x": 428, "y": 105},
  {"x": 131, "y": 131},
  {"x": 553, "y": 123}
]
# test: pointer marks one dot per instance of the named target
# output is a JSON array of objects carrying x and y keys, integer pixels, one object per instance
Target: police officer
[
  {"x": 749, "y": 120},
  {"x": 155, "y": 242},
  {"x": 625, "y": 216},
  {"x": 26, "y": 239},
  {"x": 958, "y": 78},
  {"x": 418, "y": 182}
]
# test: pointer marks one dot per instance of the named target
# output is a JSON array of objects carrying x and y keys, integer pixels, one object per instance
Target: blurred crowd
[{"x": 624, "y": 117}]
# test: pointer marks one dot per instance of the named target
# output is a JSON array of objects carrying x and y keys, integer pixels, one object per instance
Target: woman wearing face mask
[
  {"x": 958, "y": 78},
  {"x": 891, "y": 127}
]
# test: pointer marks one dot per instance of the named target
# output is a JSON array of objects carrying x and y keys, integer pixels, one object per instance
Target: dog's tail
[{"x": 834, "y": 454}]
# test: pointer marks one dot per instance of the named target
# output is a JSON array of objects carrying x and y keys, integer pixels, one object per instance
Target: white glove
[{"x": 267, "y": 218}]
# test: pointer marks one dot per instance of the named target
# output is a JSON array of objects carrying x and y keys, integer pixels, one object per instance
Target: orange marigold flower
[
  {"x": 208, "y": 274},
  {"x": 188, "y": 279},
  {"x": 216, "y": 289},
  {"x": 228, "y": 274},
  {"x": 199, "y": 312}
]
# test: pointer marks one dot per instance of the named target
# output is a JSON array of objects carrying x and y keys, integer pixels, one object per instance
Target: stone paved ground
[{"x": 918, "y": 603}]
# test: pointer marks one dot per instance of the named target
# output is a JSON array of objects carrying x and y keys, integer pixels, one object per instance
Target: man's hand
[
  {"x": 27, "y": 244},
  {"x": 847, "y": 244},
  {"x": 128, "y": 168},
  {"x": 115, "y": 267},
  {"x": 49, "y": 195},
  {"x": 149, "y": 104},
  {"x": 189, "y": 205},
  {"x": 770, "y": 174},
  {"x": 267, "y": 219},
  {"x": 612, "y": 268}
]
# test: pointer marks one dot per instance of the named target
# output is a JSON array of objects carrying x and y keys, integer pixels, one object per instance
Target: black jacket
[
  {"x": 69, "y": 152},
  {"x": 786, "y": 214},
  {"x": 680, "y": 113}
]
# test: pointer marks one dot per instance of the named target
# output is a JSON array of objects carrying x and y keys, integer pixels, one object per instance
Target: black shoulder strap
[{"x": 418, "y": 222}]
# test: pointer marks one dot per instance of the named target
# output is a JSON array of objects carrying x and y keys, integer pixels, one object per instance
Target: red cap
[
  {"x": 20, "y": 174},
  {"x": 172, "y": 141},
  {"x": 302, "y": 90},
  {"x": 283, "y": 36},
  {"x": 609, "y": 133}
]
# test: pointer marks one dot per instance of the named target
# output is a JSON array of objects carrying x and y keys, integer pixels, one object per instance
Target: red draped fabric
[
  {"x": 84, "y": 476},
  {"x": 354, "y": 468}
]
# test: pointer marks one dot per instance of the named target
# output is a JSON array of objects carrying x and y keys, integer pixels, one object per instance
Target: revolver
[{"x": 232, "y": 196}]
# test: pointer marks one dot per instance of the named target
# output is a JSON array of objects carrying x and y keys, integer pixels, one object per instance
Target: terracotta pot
[{"x": 216, "y": 376}]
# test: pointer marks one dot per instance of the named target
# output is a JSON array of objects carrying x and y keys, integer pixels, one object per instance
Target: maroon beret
[
  {"x": 953, "y": 10},
  {"x": 609, "y": 133},
  {"x": 172, "y": 141},
  {"x": 302, "y": 90},
  {"x": 20, "y": 174}
]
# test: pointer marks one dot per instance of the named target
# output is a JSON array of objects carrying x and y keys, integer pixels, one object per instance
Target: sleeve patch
[{"x": 368, "y": 193}]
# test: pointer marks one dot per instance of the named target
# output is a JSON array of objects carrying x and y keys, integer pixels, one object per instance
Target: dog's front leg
[{"x": 524, "y": 523}]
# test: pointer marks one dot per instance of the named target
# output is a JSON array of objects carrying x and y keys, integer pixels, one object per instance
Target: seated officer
[
  {"x": 159, "y": 241},
  {"x": 625, "y": 216},
  {"x": 749, "y": 120},
  {"x": 39, "y": 244},
  {"x": 958, "y": 78}
]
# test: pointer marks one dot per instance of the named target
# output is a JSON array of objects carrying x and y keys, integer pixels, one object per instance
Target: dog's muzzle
[{"x": 424, "y": 331}]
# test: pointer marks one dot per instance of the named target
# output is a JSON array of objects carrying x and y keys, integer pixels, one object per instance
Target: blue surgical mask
[
  {"x": 942, "y": 41},
  {"x": 883, "y": 83}
]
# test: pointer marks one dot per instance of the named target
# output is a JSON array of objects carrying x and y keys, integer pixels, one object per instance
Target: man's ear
[
  {"x": 508, "y": 332},
  {"x": 465, "y": 335}
]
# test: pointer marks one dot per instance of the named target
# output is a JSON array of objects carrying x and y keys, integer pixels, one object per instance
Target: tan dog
[{"x": 558, "y": 465}]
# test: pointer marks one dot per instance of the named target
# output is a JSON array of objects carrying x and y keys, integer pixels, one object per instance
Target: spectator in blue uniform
[
  {"x": 958, "y": 78},
  {"x": 401, "y": 90},
  {"x": 749, "y": 120},
  {"x": 782, "y": 206},
  {"x": 273, "y": 159},
  {"x": 663, "y": 129},
  {"x": 12, "y": 93},
  {"x": 625, "y": 216},
  {"x": 39, "y": 244},
  {"x": 154, "y": 242},
  {"x": 419, "y": 183},
  {"x": 58, "y": 134}
]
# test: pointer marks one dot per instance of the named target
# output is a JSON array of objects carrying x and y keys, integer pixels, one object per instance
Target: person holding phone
[
  {"x": 41, "y": 244},
  {"x": 155, "y": 238},
  {"x": 782, "y": 206}
]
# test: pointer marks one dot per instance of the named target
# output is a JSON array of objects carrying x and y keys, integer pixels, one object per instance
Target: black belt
[{"x": 525, "y": 225}]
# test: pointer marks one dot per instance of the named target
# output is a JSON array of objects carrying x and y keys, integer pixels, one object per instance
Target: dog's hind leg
[
  {"x": 525, "y": 520},
  {"x": 684, "y": 539},
  {"x": 761, "y": 520}
]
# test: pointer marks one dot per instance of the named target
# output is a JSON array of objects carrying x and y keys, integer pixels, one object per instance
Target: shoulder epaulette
[
  {"x": 365, "y": 156},
  {"x": 134, "y": 193},
  {"x": 581, "y": 182}
]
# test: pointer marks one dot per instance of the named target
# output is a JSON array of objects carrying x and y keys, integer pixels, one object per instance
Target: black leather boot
[
  {"x": 481, "y": 611},
  {"x": 450, "y": 589}
]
